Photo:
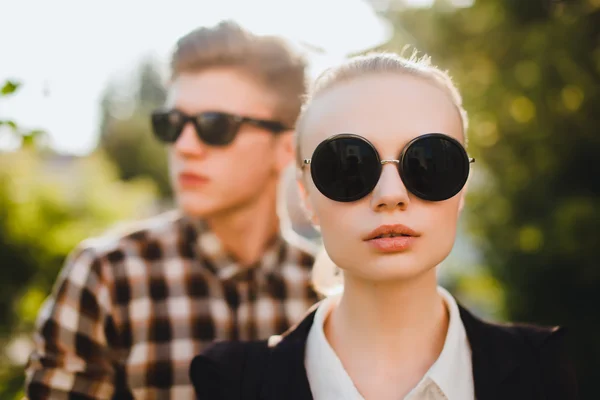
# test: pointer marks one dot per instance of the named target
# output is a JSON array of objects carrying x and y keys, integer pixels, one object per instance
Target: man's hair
[{"x": 270, "y": 60}]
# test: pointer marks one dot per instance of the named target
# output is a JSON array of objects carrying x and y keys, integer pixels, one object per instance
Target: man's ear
[
  {"x": 306, "y": 205},
  {"x": 284, "y": 153}
]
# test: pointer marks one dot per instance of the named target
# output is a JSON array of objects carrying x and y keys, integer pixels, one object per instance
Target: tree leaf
[
  {"x": 36, "y": 133},
  {"x": 28, "y": 140},
  {"x": 9, "y": 87},
  {"x": 11, "y": 124}
]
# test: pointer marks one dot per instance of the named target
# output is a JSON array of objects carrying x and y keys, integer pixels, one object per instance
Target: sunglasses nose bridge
[
  {"x": 390, "y": 191},
  {"x": 383, "y": 162},
  {"x": 188, "y": 141}
]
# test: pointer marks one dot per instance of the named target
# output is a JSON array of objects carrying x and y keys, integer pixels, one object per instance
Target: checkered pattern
[{"x": 131, "y": 310}]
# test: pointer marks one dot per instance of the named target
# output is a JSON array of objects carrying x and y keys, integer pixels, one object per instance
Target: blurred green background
[{"x": 529, "y": 247}]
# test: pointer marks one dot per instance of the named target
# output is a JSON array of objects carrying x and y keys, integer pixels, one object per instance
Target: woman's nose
[{"x": 390, "y": 192}]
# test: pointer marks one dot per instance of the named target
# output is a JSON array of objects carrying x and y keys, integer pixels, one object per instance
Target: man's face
[{"x": 208, "y": 180}]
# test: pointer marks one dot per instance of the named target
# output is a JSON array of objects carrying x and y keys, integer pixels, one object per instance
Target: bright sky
[{"x": 66, "y": 51}]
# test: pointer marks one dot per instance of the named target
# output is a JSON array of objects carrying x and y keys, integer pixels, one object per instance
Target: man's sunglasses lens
[
  {"x": 212, "y": 128},
  {"x": 346, "y": 168},
  {"x": 167, "y": 126},
  {"x": 216, "y": 129},
  {"x": 434, "y": 167}
]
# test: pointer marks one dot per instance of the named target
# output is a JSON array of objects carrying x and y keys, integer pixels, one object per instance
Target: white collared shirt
[{"x": 449, "y": 378}]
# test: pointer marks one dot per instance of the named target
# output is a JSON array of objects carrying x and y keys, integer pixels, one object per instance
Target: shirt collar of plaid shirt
[{"x": 225, "y": 266}]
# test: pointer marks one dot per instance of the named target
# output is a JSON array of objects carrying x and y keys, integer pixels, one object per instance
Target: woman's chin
[{"x": 394, "y": 268}]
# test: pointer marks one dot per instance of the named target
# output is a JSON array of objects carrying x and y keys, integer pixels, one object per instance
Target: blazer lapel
[
  {"x": 496, "y": 355},
  {"x": 501, "y": 360},
  {"x": 285, "y": 371}
]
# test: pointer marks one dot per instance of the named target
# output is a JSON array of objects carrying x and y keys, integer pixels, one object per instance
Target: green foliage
[
  {"x": 530, "y": 77},
  {"x": 48, "y": 203},
  {"x": 10, "y": 124},
  {"x": 135, "y": 152},
  {"x": 9, "y": 87},
  {"x": 28, "y": 138},
  {"x": 125, "y": 131}
]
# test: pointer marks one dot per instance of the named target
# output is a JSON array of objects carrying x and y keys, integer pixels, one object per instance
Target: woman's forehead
[{"x": 388, "y": 110}]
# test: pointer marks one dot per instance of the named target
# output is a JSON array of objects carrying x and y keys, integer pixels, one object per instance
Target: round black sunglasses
[
  {"x": 347, "y": 167},
  {"x": 212, "y": 128}
]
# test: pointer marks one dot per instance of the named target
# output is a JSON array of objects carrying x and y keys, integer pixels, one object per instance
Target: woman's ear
[
  {"x": 306, "y": 205},
  {"x": 463, "y": 194}
]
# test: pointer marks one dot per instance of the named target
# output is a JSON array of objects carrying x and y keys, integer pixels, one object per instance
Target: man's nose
[{"x": 188, "y": 143}]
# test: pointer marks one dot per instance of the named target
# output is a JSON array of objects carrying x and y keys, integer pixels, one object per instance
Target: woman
[{"x": 383, "y": 166}]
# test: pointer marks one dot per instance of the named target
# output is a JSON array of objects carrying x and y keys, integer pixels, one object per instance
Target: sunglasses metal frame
[
  {"x": 274, "y": 127},
  {"x": 398, "y": 162}
]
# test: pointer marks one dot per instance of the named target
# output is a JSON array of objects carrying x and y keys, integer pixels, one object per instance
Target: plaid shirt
[{"x": 130, "y": 311}]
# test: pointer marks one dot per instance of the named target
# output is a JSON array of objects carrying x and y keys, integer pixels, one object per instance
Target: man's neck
[{"x": 246, "y": 232}]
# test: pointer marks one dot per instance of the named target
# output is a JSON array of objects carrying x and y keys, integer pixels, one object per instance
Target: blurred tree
[
  {"x": 8, "y": 126},
  {"x": 6, "y": 89},
  {"x": 125, "y": 131},
  {"x": 529, "y": 72},
  {"x": 48, "y": 203}
]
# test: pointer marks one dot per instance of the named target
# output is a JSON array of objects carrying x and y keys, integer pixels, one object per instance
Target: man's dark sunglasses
[
  {"x": 212, "y": 128},
  {"x": 346, "y": 167}
]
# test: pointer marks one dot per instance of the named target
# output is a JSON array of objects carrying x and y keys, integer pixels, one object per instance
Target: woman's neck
[{"x": 393, "y": 328}]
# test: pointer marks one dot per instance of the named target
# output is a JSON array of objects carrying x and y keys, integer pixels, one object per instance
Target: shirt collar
[
  {"x": 452, "y": 371},
  {"x": 223, "y": 264},
  {"x": 325, "y": 372}
]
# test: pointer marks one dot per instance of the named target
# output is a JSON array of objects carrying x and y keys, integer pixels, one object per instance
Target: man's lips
[{"x": 188, "y": 179}]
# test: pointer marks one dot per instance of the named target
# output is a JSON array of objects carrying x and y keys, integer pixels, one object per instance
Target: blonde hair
[
  {"x": 270, "y": 60},
  {"x": 376, "y": 64},
  {"x": 327, "y": 279}
]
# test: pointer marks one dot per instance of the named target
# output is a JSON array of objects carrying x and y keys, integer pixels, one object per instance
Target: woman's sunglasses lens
[
  {"x": 167, "y": 126},
  {"x": 435, "y": 167},
  {"x": 345, "y": 168}
]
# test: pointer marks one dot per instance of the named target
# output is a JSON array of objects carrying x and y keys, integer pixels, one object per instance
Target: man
[{"x": 129, "y": 311}]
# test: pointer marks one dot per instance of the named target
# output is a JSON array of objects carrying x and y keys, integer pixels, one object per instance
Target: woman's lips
[
  {"x": 392, "y": 238},
  {"x": 392, "y": 244}
]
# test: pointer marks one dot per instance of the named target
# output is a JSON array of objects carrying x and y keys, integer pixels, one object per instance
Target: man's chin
[{"x": 199, "y": 208}]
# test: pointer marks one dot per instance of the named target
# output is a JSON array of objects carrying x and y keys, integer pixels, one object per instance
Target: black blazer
[{"x": 510, "y": 362}]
